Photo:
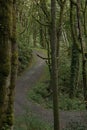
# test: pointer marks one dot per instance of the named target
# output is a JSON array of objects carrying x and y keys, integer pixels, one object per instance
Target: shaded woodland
[{"x": 59, "y": 28}]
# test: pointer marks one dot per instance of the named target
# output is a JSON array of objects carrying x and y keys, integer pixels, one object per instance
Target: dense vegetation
[{"x": 59, "y": 27}]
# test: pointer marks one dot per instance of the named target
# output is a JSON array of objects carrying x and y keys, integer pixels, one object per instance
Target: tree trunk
[
  {"x": 5, "y": 52},
  {"x": 75, "y": 53},
  {"x": 34, "y": 36},
  {"x": 59, "y": 29},
  {"x": 42, "y": 18},
  {"x": 74, "y": 71},
  {"x": 14, "y": 63},
  {"x": 53, "y": 40},
  {"x": 82, "y": 50}
]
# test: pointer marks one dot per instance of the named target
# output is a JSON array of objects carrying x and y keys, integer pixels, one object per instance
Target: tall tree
[
  {"x": 14, "y": 62},
  {"x": 60, "y": 24},
  {"x": 80, "y": 36},
  {"x": 5, "y": 51},
  {"x": 53, "y": 40},
  {"x": 75, "y": 51},
  {"x": 42, "y": 18}
]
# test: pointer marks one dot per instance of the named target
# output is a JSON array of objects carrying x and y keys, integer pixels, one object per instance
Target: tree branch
[{"x": 41, "y": 22}]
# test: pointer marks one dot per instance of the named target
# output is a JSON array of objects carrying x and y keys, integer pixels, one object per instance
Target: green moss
[
  {"x": 5, "y": 59},
  {"x": 14, "y": 63},
  {"x": 10, "y": 119}
]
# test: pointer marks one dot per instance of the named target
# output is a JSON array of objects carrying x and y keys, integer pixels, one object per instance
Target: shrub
[
  {"x": 39, "y": 93},
  {"x": 65, "y": 103},
  {"x": 25, "y": 56}
]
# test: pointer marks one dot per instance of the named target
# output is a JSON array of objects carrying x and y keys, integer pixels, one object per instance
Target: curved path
[{"x": 25, "y": 83}]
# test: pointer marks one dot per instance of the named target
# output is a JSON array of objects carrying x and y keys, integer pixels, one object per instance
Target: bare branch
[
  {"x": 41, "y": 22},
  {"x": 42, "y": 57}
]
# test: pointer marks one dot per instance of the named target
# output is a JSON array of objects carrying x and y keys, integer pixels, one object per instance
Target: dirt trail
[{"x": 25, "y": 83}]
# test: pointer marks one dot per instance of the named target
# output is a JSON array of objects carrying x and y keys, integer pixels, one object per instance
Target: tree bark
[
  {"x": 14, "y": 63},
  {"x": 82, "y": 50},
  {"x": 75, "y": 53},
  {"x": 5, "y": 52},
  {"x": 53, "y": 40},
  {"x": 59, "y": 29}
]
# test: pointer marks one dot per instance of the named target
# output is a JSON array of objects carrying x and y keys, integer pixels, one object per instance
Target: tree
[
  {"x": 14, "y": 63},
  {"x": 75, "y": 52},
  {"x": 80, "y": 36},
  {"x": 5, "y": 58},
  {"x": 53, "y": 41},
  {"x": 60, "y": 23}
]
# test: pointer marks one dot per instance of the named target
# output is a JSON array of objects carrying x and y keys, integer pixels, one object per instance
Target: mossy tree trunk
[
  {"x": 83, "y": 46},
  {"x": 14, "y": 62},
  {"x": 5, "y": 51},
  {"x": 34, "y": 34},
  {"x": 75, "y": 51},
  {"x": 42, "y": 19},
  {"x": 59, "y": 27},
  {"x": 74, "y": 71},
  {"x": 42, "y": 38}
]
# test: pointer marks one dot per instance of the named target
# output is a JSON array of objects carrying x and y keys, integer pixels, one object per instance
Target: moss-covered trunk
[
  {"x": 14, "y": 62},
  {"x": 74, "y": 71},
  {"x": 5, "y": 45},
  {"x": 83, "y": 46},
  {"x": 75, "y": 52}
]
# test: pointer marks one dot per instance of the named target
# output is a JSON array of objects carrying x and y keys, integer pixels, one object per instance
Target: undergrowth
[
  {"x": 40, "y": 93},
  {"x": 31, "y": 122},
  {"x": 25, "y": 56}
]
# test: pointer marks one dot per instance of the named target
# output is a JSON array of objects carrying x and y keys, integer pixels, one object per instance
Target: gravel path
[{"x": 25, "y": 83}]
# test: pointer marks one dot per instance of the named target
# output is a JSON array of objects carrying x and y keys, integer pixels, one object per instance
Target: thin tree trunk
[
  {"x": 75, "y": 53},
  {"x": 54, "y": 65},
  {"x": 59, "y": 29},
  {"x": 82, "y": 50}
]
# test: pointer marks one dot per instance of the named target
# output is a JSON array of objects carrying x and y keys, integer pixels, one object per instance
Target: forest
[{"x": 43, "y": 65}]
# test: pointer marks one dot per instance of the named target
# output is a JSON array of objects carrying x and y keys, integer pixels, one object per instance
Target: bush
[
  {"x": 39, "y": 93},
  {"x": 25, "y": 56},
  {"x": 65, "y": 103}
]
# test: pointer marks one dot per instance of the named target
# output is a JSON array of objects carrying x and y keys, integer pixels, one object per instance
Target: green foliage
[
  {"x": 64, "y": 69},
  {"x": 25, "y": 55},
  {"x": 31, "y": 122},
  {"x": 5, "y": 127},
  {"x": 39, "y": 93},
  {"x": 23, "y": 35},
  {"x": 75, "y": 126},
  {"x": 65, "y": 103}
]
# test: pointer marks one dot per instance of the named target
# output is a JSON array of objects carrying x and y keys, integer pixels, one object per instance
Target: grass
[{"x": 31, "y": 122}]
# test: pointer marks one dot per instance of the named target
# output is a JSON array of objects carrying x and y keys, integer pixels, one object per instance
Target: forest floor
[{"x": 25, "y": 83}]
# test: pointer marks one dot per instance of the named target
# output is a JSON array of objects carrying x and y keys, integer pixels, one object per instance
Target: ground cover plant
[{"x": 31, "y": 122}]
